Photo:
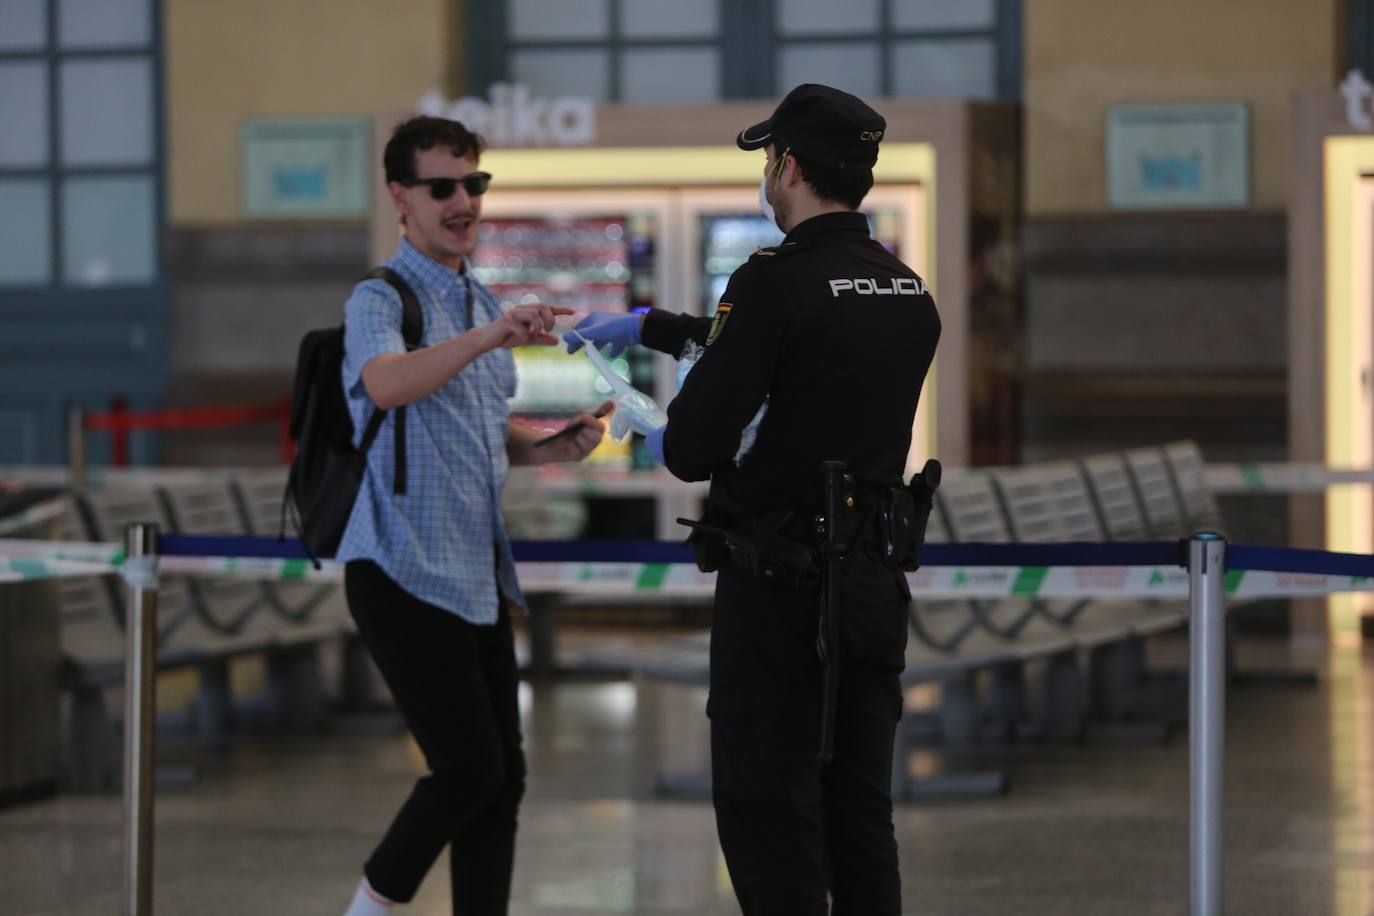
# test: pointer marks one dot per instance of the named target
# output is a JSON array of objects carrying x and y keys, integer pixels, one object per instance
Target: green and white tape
[
  {"x": 34, "y": 515},
  {"x": 1282, "y": 477},
  {"x": 260, "y": 568},
  {"x": 21, "y": 569},
  {"x": 678, "y": 580},
  {"x": 1106, "y": 582},
  {"x": 101, "y": 477},
  {"x": 948, "y": 582},
  {"x": 28, "y": 559},
  {"x": 22, "y": 560},
  {"x": 77, "y": 551}
]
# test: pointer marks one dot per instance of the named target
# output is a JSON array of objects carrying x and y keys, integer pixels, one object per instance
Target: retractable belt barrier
[
  {"x": 613, "y": 568},
  {"x": 1204, "y": 568}
]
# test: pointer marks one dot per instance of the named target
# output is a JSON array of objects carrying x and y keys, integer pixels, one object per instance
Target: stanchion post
[
  {"x": 139, "y": 716},
  {"x": 1206, "y": 718},
  {"x": 76, "y": 449}
]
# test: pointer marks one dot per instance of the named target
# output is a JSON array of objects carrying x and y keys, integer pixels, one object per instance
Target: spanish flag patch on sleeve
[{"x": 718, "y": 322}]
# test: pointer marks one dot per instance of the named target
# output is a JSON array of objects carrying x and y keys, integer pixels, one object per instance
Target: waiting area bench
[{"x": 1088, "y": 655}]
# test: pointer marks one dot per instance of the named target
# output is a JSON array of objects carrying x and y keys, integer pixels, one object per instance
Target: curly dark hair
[
  {"x": 422, "y": 133},
  {"x": 846, "y": 184}
]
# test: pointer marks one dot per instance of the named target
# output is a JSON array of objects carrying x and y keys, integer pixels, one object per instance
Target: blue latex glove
[
  {"x": 654, "y": 443},
  {"x": 602, "y": 328}
]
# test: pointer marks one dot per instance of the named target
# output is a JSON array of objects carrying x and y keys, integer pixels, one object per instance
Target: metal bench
[
  {"x": 1188, "y": 471},
  {"x": 1158, "y": 494},
  {"x": 257, "y": 495},
  {"x": 202, "y": 624},
  {"x": 1109, "y": 497}
]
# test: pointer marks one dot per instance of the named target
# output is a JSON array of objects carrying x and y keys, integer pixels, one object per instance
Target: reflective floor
[{"x": 280, "y": 826}]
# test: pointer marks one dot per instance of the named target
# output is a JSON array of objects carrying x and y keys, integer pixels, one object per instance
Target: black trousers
[
  {"x": 456, "y": 685},
  {"x": 792, "y": 829}
]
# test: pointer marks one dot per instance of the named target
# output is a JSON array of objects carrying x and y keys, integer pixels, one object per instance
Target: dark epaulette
[{"x": 777, "y": 251}]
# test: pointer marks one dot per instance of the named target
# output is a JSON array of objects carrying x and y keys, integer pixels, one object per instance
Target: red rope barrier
[
  {"x": 184, "y": 418},
  {"x": 120, "y": 421}
]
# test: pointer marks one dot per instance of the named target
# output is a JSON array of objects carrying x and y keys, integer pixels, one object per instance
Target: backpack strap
[
  {"x": 412, "y": 331},
  {"x": 412, "y": 316}
]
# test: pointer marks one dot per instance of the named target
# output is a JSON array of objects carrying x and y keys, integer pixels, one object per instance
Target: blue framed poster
[
  {"x": 315, "y": 168},
  {"x": 1178, "y": 157}
]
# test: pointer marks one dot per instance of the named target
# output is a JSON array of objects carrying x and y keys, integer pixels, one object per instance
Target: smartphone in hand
[{"x": 571, "y": 429}]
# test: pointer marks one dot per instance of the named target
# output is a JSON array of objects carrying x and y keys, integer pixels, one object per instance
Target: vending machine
[
  {"x": 588, "y": 253},
  {"x": 617, "y": 249}
]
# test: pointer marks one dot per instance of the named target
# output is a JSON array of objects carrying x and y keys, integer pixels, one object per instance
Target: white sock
[{"x": 367, "y": 902}]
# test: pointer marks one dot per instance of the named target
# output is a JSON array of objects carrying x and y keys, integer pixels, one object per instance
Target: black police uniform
[{"x": 837, "y": 334}]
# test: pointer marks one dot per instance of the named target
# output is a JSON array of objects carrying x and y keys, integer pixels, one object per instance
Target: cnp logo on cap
[{"x": 823, "y": 124}]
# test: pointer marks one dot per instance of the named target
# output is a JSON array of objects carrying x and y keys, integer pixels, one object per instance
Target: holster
[
  {"x": 708, "y": 542},
  {"x": 766, "y": 554},
  {"x": 903, "y": 514}
]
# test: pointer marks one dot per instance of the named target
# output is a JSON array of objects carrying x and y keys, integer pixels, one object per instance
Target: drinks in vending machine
[
  {"x": 586, "y": 263},
  {"x": 729, "y": 239}
]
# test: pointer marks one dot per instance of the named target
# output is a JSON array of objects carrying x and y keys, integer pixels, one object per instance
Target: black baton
[{"x": 827, "y": 643}]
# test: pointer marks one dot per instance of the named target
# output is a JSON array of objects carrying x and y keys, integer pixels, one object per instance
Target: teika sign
[
  {"x": 514, "y": 117},
  {"x": 1358, "y": 92}
]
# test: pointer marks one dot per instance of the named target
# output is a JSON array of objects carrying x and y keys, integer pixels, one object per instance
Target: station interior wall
[{"x": 1136, "y": 326}]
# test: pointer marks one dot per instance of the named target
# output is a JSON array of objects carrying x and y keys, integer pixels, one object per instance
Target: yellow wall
[
  {"x": 227, "y": 61},
  {"x": 1082, "y": 56}
]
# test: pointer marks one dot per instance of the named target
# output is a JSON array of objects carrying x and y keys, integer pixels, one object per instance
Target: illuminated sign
[
  {"x": 513, "y": 117},
  {"x": 1357, "y": 92}
]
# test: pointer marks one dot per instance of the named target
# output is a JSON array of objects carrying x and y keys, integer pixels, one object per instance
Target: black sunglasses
[{"x": 475, "y": 183}]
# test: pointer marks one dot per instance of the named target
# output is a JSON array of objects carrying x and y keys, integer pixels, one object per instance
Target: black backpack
[{"x": 327, "y": 470}]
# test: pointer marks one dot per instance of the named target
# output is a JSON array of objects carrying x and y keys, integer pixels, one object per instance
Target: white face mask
[{"x": 764, "y": 205}]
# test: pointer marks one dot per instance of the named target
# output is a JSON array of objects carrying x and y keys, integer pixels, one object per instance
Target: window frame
[
  {"x": 749, "y": 42},
  {"x": 1359, "y": 33},
  {"x": 69, "y": 344},
  {"x": 56, "y": 173}
]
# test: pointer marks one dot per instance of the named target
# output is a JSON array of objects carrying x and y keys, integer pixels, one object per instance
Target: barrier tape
[
  {"x": 28, "y": 560},
  {"x": 102, "y": 477},
  {"x": 260, "y": 568},
  {"x": 21, "y": 569},
  {"x": 35, "y": 515},
  {"x": 108, "y": 555},
  {"x": 1281, "y": 477}
]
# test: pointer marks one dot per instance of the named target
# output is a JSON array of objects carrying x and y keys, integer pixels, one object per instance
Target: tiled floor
[{"x": 279, "y": 826}]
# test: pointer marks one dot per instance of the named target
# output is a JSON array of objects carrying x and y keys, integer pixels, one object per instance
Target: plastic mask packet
[
  {"x": 690, "y": 354},
  {"x": 634, "y": 410}
]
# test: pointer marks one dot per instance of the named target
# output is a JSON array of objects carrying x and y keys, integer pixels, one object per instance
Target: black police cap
[{"x": 822, "y": 124}]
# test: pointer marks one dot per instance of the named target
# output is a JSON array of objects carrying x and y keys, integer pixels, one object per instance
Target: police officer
[{"x": 835, "y": 334}]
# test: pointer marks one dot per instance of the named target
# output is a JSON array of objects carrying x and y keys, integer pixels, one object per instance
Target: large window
[
  {"x": 622, "y": 50},
  {"x": 79, "y": 158},
  {"x": 83, "y": 299},
  {"x": 680, "y": 51},
  {"x": 939, "y": 48},
  {"x": 1360, "y": 35}
]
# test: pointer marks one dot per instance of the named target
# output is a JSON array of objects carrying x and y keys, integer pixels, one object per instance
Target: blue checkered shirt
[{"x": 443, "y": 541}]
